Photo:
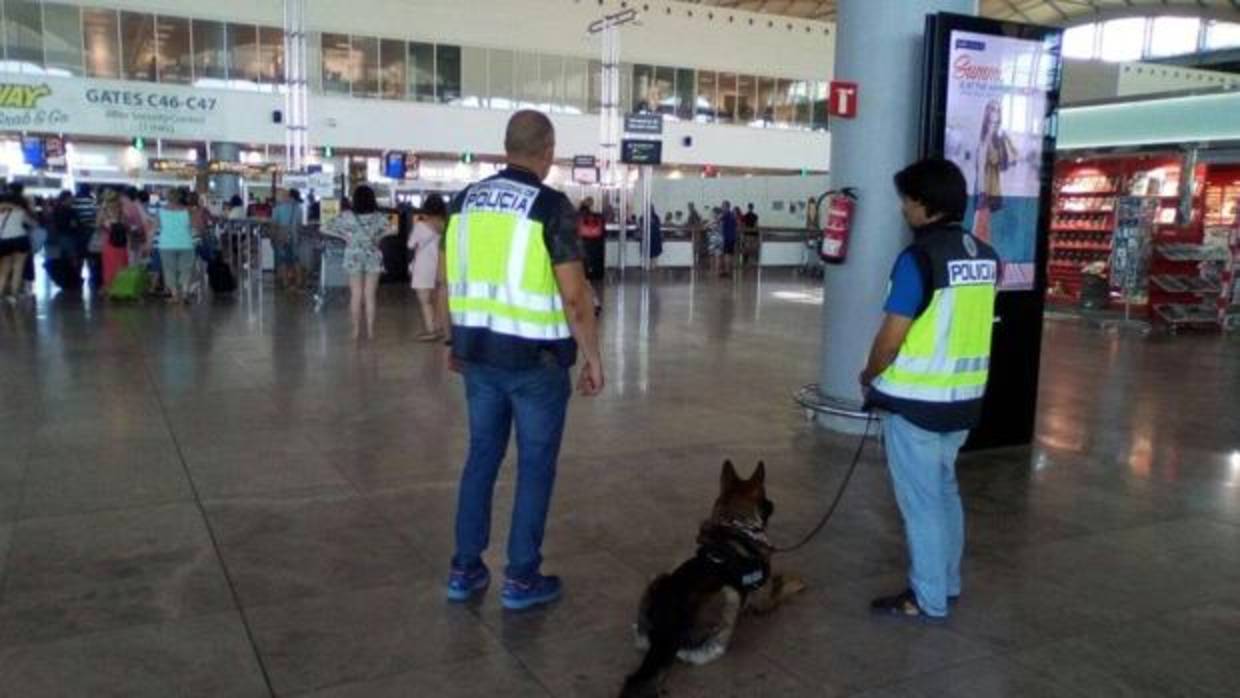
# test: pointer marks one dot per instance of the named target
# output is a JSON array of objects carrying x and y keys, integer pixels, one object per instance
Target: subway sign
[{"x": 19, "y": 96}]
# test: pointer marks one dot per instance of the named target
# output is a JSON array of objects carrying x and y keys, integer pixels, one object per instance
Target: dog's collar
[
  {"x": 752, "y": 532},
  {"x": 739, "y": 552}
]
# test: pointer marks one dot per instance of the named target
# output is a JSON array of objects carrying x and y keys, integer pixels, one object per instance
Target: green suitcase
[{"x": 129, "y": 284}]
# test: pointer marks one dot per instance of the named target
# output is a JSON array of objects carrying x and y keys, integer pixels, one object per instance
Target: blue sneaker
[
  {"x": 463, "y": 583},
  {"x": 536, "y": 590}
]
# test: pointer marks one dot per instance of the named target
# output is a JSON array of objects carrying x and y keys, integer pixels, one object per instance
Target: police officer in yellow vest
[
  {"x": 520, "y": 308},
  {"x": 927, "y": 372}
]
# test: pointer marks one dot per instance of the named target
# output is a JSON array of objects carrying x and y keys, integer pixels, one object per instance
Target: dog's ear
[
  {"x": 728, "y": 480},
  {"x": 759, "y": 475}
]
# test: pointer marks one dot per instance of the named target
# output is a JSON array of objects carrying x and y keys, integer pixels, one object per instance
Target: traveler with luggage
[
  {"x": 114, "y": 236},
  {"x": 176, "y": 246}
]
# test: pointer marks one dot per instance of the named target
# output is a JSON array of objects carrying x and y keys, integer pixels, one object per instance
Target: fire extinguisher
[{"x": 841, "y": 204}]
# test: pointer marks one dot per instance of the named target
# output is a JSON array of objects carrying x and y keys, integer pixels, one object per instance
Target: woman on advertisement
[{"x": 996, "y": 154}]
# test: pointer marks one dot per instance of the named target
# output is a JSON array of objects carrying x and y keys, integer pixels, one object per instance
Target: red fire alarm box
[{"x": 843, "y": 99}]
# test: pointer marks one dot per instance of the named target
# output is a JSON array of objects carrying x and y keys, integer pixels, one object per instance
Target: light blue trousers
[{"x": 923, "y": 474}]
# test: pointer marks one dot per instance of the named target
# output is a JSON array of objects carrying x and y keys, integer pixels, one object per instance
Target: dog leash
[{"x": 839, "y": 494}]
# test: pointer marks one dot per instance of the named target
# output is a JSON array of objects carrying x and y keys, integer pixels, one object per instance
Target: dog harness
[{"x": 744, "y": 571}]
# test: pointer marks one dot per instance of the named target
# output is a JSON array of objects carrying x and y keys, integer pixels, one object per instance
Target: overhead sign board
[
  {"x": 641, "y": 152},
  {"x": 646, "y": 124},
  {"x": 584, "y": 161}
]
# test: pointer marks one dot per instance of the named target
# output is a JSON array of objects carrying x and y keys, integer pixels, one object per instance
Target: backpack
[
  {"x": 220, "y": 277},
  {"x": 63, "y": 274}
]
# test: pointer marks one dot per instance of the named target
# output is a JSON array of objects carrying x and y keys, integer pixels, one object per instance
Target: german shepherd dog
[{"x": 690, "y": 614}]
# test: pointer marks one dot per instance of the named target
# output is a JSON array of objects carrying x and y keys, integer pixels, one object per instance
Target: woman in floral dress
[{"x": 362, "y": 228}]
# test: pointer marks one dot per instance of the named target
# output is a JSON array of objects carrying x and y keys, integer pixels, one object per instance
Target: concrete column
[
  {"x": 226, "y": 185},
  {"x": 878, "y": 45}
]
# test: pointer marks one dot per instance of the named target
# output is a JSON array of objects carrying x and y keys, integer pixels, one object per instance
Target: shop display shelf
[
  {"x": 1184, "y": 314},
  {"x": 1077, "y": 229},
  {"x": 1074, "y": 247},
  {"x": 1175, "y": 283},
  {"x": 1187, "y": 252},
  {"x": 1068, "y": 192}
]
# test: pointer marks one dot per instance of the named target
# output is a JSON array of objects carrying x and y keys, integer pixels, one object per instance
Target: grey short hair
[{"x": 529, "y": 134}]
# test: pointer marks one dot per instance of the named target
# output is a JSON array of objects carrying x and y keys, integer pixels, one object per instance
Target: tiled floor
[{"x": 231, "y": 500}]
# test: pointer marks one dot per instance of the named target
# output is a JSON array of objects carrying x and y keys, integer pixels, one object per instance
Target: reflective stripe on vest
[
  {"x": 946, "y": 355},
  {"x": 500, "y": 276}
]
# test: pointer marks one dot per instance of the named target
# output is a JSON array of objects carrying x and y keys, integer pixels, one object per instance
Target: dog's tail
[{"x": 669, "y": 621}]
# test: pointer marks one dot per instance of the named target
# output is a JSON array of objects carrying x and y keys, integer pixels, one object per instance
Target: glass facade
[
  {"x": 176, "y": 63},
  {"x": 1137, "y": 38},
  {"x": 23, "y": 35},
  {"x": 138, "y": 57},
  {"x": 243, "y": 63},
  {"x": 422, "y": 72},
  {"x": 210, "y": 50},
  {"x": 101, "y": 43},
  {"x": 60, "y": 38},
  {"x": 271, "y": 55}
]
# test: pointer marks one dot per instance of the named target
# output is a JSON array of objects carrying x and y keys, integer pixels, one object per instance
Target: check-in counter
[
  {"x": 775, "y": 247},
  {"x": 784, "y": 247}
]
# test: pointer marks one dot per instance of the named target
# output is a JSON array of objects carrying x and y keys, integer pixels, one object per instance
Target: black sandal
[{"x": 902, "y": 605}]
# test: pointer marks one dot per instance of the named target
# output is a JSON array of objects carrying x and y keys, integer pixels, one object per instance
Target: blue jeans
[
  {"x": 537, "y": 400},
  {"x": 923, "y": 474}
]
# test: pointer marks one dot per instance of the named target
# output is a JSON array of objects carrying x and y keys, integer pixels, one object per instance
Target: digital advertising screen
[{"x": 997, "y": 119}]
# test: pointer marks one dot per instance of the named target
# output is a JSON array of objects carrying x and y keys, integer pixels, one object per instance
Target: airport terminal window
[
  {"x": 102, "y": 43},
  {"x": 271, "y": 55},
  {"x": 172, "y": 45},
  {"x": 447, "y": 74},
  {"x": 210, "y": 50},
  {"x": 502, "y": 90},
  {"x": 727, "y": 98},
  {"x": 138, "y": 46},
  {"x": 801, "y": 91},
  {"x": 1221, "y": 35},
  {"x": 575, "y": 86},
  {"x": 665, "y": 82},
  {"x": 551, "y": 76},
  {"x": 242, "y": 54},
  {"x": 643, "y": 88},
  {"x": 1123, "y": 39},
  {"x": 1172, "y": 36},
  {"x": 786, "y": 108},
  {"x": 704, "y": 105},
  {"x": 525, "y": 70},
  {"x": 62, "y": 38},
  {"x": 685, "y": 90},
  {"x": 746, "y": 98},
  {"x": 314, "y": 61},
  {"x": 392, "y": 79},
  {"x": 337, "y": 66},
  {"x": 422, "y": 71},
  {"x": 766, "y": 101},
  {"x": 818, "y": 115},
  {"x": 473, "y": 77},
  {"x": 23, "y": 35},
  {"x": 365, "y": 59},
  {"x": 595, "y": 77},
  {"x": 626, "y": 88}
]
